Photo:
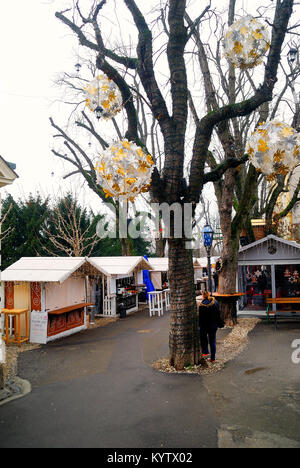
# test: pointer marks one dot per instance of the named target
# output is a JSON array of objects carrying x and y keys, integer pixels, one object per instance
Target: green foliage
[
  {"x": 26, "y": 219},
  {"x": 34, "y": 222}
]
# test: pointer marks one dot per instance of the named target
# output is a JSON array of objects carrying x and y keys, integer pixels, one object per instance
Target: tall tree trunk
[
  {"x": 184, "y": 336},
  {"x": 122, "y": 229},
  {"x": 231, "y": 230},
  {"x": 160, "y": 245},
  {"x": 227, "y": 280},
  {"x": 127, "y": 247}
]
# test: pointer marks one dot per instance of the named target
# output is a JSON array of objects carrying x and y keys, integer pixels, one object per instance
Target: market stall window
[
  {"x": 256, "y": 282},
  {"x": 287, "y": 282}
]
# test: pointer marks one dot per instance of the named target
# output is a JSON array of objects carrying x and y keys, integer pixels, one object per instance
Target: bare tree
[
  {"x": 169, "y": 106},
  {"x": 237, "y": 192},
  {"x": 69, "y": 231}
]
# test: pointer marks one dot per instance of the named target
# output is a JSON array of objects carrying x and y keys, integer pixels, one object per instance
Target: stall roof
[
  {"x": 58, "y": 269},
  {"x": 202, "y": 261},
  {"x": 42, "y": 269},
  {"x": 162, "y": 263},
  {"x": 114, "y": 266},
  {"x": 269, "y": 250},
  {"x": 268, "y": 238},
  {"x": 159, "y": 263}
]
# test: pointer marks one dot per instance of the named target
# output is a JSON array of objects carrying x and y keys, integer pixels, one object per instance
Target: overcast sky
[{"x": 35, "y": 47}]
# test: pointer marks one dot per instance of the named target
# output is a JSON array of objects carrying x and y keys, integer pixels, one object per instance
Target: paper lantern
[
  {"x": 103, "y": 97},
  {"x": 124, "y": 170},
  {"x": 274, "y": 148},
  {"x": 246, "y": 42}
]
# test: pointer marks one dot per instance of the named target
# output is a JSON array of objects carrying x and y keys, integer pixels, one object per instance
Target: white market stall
[
  {"x": 119, "y": 281},
  {"x": 160, "y": 271},
  {"x": 268, "y": 268},
  {"x": 54, "y": 292}
]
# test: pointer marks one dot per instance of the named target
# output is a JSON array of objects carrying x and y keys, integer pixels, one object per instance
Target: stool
[
  {"x": 156, "y": 303},
  {"x": 15, "y": 314},
  {"x": 166, "y": 293}
]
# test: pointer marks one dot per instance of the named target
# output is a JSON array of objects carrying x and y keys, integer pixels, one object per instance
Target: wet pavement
[{"x": 98, "y": 389}]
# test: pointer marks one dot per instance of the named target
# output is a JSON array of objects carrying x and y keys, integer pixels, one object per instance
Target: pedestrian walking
[{"x": 209, "y": 322}]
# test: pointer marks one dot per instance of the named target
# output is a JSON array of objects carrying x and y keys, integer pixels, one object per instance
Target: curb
[{"x": 25, "y": 389}]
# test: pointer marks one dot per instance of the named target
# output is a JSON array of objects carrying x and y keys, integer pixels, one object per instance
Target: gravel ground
[{"x": 227, "y": 349}]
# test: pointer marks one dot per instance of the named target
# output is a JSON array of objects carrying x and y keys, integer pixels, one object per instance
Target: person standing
[
  {"x": 216, "y": 280},
  {"x": 209, "y": 322}
]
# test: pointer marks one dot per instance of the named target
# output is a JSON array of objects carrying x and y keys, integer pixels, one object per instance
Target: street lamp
[
  {"x": 292, "y": 55},
  {"x": 99, "y": 112},
  {"x": 78, "y": 67},
  {"x": 208, "y": 237}
]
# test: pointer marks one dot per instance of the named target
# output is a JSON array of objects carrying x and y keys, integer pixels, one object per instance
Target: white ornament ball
[
  {"x": 274, "y": 149},
  {"x": 124, "y": 170},
  {"x": 103, "y": 93},
  {"x": 246, "y": 42}
]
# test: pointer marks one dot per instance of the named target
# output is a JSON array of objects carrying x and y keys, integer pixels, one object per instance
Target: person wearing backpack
[{"x": 209, "y": 322}]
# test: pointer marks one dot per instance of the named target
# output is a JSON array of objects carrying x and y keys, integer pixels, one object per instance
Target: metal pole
[{"x": 209, "y": 270}]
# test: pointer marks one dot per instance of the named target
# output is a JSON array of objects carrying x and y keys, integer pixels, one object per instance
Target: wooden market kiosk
[
  {"x": 268, "y": 269},
  {"x": 53, "y": 290},
  {"x": 116, "y": 281},
  {"x": 160, "y": 271},
  {"x": 57, "y": 291}
]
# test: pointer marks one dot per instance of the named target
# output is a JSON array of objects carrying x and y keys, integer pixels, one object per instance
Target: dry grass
[{"x": 232, "y": 345}]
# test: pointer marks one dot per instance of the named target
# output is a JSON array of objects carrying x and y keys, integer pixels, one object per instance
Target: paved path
[{"x": 98, "y": 389}]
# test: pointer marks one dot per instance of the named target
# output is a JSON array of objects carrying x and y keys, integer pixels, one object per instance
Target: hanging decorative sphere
[
  {"x": 124, "y": 170},
  {"x": 103, "y": 96},
  {"x": 246, "y": 42},
  {"x": 274, "y": 149}
]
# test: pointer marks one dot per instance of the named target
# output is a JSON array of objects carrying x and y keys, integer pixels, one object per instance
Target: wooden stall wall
[
  {"x": 70, "y": 292},
  {"x": 22, "y": 301}
]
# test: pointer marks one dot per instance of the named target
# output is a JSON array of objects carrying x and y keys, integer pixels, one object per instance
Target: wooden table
[
  {"x": 16, "y": 313},
  {"x": 228, "y": 305}
]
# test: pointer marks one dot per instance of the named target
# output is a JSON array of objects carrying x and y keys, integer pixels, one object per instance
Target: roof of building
[
  {"x": 42, "y": 269},
  {"x": 159, "y": 263},
  {"x": 293, "y": 244},
  {"x": 7, "y": 172},
  {"x": 116, "y": 266},
  {"x": 202, "y": 261},
  {"x": 58, "y": 269},
  {"x": 162, "y": 263}
]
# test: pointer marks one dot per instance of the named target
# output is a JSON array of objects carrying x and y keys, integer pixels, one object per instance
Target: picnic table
[{"x": 286, "y": 313}]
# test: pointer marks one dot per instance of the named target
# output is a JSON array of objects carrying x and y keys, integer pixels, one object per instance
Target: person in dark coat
[
  {"x": 216, "y": 280},
  {"x": 209, "y": 322}
]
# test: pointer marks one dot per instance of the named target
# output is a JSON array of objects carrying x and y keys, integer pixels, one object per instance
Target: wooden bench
[{"x": 292, "y": 313}]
